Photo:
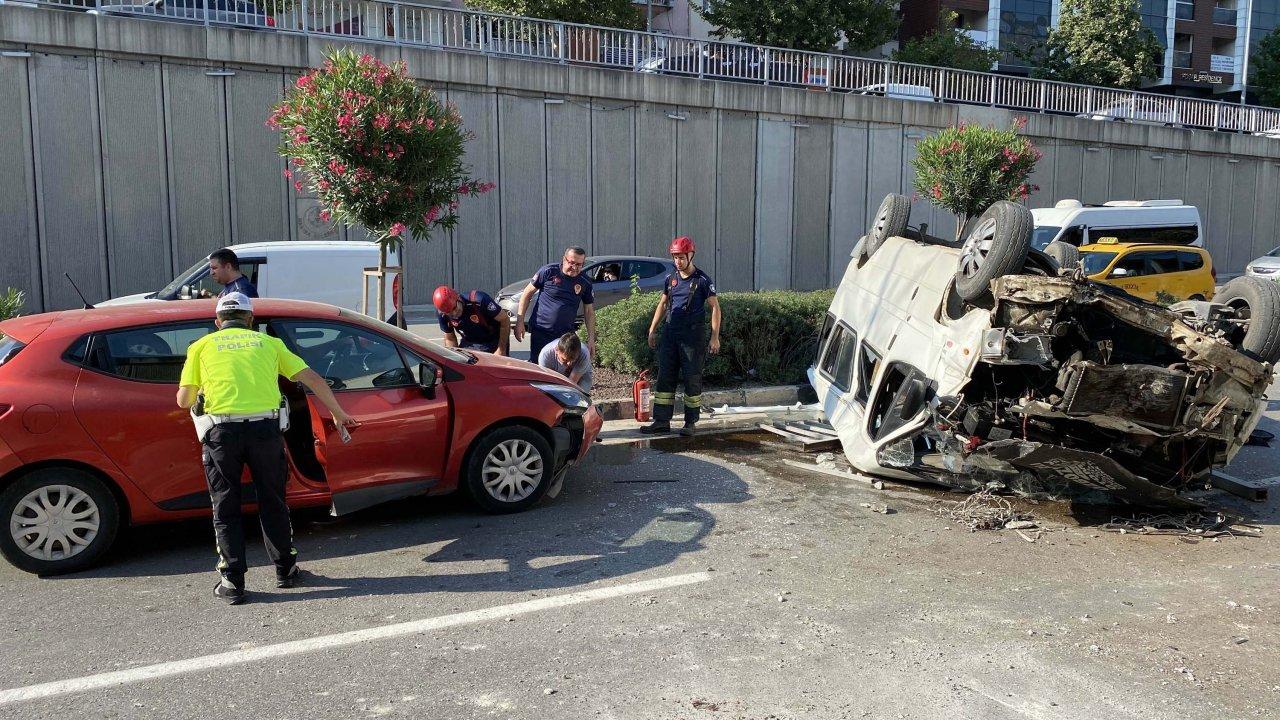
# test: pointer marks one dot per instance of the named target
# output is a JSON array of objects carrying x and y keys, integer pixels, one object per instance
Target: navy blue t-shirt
[
  {"x": 240, "y": 285},
  {"x": 557, "y": 306},
  {"x": 687, "y": 297},
  {"x": 478, "y": 324}
]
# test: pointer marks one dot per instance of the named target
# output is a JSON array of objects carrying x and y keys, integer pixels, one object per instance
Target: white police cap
[{"x": 235, "y": 301}]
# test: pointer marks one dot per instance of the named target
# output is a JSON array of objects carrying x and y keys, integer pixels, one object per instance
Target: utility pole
[{"x": 1244, "y": 70}]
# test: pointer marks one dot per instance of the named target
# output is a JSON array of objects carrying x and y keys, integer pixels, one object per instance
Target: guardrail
[{"x": 533, "y": 39}]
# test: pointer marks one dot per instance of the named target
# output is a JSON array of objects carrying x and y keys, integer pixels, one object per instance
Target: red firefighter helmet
[
  {"x": 682, "y": 245},
  {"x": 445, "y": 299}
]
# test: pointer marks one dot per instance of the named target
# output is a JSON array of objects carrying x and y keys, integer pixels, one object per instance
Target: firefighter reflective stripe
[
  {"x": 664, "y": 398},
  {"x": 692, "y": 401}
]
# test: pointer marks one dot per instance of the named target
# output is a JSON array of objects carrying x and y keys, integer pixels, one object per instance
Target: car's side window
[
  {"x": 1131, "y": 265},
  {"x": 347, "y": 357},
  {"x": 901, "y": 396},
  {"x": 1190, "y": 261},
  {"x": 645, "y": 269},
  {"x": 154, "y": 353},
  {"x": 868, "y": 361},
  {"x": 206, "y": 287}
]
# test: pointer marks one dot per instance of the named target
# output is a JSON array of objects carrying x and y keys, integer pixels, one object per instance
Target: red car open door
[{"x": 402, "y": 444}]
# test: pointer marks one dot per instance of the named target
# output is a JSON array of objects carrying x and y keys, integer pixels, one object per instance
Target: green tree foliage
[
  {"x": 804, "y": 24},
  {"x": 948, "y": 46},
  {"x": 967, "y": 168},
  {"x": 1264, "y": 66},
  {"x": 609, "y": 13},
  {"x": 11, "y": 302},
  {"x": 1101, "y": 42},
  {"x": 377, "y": 148},
  {"x": 746, "y": 354}
]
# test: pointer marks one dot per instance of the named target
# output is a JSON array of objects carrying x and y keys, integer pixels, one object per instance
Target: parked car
[
  {"x": 1168, "y": 222},
  {"x": 1138, "y": 110},
  {"x": 648, "y": 272},
  {"x": 1266, "y": 267},
  {"x": 981, "y": 364},
  {"x": 899, "y": 91},
  {"x": 240, "y": 13},
  {"x": 1272, "y": 132},
  {"x": 91, "y": 439},
  {"x": 327, "y": 271},
  {"x": 1147, "y": 271}
]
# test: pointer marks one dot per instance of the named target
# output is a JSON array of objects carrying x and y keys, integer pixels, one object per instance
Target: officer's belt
[{"x": 268, "y": 415}]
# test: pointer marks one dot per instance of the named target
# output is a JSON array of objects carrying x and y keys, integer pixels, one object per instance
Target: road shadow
[{"x": 627, "y": 510}]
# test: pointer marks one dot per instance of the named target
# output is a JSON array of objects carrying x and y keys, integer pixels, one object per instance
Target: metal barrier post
[
  {"x": 395, "y": 22},
  {"x": 1044, "y": 96},
  {"x": 701, "y": 57},
  {"x": 560, "y": 41},
  {"x": 302, "y": 18},
  {"x": 991, "y": 90},
  {"x": 767, "y": 63}
]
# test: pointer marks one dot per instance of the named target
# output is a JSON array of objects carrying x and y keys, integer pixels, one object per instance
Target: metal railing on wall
[{"x": 532, "y": 39}]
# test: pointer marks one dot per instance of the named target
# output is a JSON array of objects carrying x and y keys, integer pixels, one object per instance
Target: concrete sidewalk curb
[{"x": 754, "y": 396}]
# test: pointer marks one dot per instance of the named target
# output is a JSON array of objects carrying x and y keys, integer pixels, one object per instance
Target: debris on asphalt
[
  {"x": 983, "y": 510},
  {"x": 1020, "y": 525},
  {"x": 877, "y": 507},
  {"x": 1190, "y": 526},
  {"x": 833, "y": 472}
]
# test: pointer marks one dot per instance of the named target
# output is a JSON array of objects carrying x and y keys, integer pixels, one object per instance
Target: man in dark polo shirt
[
  {"x": 561, "y": 289},
  {"x": 224, "y": 268},
  {"x": 473, "y": 321}
]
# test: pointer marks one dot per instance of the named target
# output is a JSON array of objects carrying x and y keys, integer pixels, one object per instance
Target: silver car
[
  {"x": 1267, "y": 266},
  {"x": 610, "y": 277}
]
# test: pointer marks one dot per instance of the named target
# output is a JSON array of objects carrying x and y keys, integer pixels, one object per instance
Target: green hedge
[{"x": 769, "y": 337}]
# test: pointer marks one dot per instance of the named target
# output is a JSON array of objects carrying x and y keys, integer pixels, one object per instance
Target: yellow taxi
[{"x": 1157, "y": 273}]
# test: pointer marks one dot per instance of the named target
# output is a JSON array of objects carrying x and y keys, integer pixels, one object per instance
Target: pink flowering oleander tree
[
  {"x": 968, "y": 167},
  {"x": 377, "y": 149}
]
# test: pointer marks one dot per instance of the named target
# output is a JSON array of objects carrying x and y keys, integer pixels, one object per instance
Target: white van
[
  {"x": 329, "y": 271},
  {"x": 1165, "y": 222}
]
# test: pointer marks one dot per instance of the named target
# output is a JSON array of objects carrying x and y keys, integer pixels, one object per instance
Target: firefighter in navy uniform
[
  {"x": 479, "y": 321},
  {"x": 686, "y": 293}
]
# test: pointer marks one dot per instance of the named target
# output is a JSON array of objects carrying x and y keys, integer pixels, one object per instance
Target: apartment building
[{"x": 1204, "y": 40}]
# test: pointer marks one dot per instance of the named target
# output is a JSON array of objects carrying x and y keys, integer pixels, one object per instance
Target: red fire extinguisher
[{"x": 640, "y": 396}]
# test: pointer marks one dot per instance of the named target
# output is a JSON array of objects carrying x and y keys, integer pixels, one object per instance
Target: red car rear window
[{"x": 9, "y": 347}]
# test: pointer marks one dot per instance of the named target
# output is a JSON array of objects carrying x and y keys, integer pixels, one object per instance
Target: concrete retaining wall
[{"x": 125, "y": 161}]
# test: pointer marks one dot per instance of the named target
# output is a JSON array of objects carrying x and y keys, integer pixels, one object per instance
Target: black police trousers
[
  {"x": 539, "y": 339},
  {"x": 227, "y": 449},
  {"x": 681, "y": 353}
]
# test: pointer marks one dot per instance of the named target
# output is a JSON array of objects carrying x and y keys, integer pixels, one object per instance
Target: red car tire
[{"x": 57, "y": 520}]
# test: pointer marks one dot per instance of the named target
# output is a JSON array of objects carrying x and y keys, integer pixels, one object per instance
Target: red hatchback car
[{"x": 90, "y": 436}]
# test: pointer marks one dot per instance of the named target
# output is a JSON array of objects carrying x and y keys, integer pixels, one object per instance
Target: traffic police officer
[
  {"x": 478, "y": 319},
  {"x": 686, "y": 293},
  {"x": 235, "y": 370},
  {"x": 562, "y": 287}
]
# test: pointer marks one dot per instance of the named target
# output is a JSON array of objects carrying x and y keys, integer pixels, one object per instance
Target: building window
[
  {"x": 1186, "y": 10},
  {"x": 1182, "y": 51},
  {"x": 1224, "y": 14}
]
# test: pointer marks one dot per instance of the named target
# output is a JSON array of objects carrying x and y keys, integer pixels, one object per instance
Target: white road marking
[{"x": 324, "y": 642}]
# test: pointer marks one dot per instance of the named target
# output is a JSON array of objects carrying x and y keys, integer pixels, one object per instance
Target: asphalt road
[{"x": 706, "y": 583}]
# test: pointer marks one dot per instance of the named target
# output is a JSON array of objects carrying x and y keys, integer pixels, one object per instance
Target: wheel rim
[
  {"x": 512, "y": 470},
  {"x": 882, "y": 219},
  {"x": 54, "y": 522},
  {"x": 976, "y": 247}
]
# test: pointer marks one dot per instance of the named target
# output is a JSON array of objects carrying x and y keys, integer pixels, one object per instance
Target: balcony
[{"x": 1224, "y": 16}]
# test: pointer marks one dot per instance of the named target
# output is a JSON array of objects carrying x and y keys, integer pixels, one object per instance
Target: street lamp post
[{"x": 1244, "y": 65}]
